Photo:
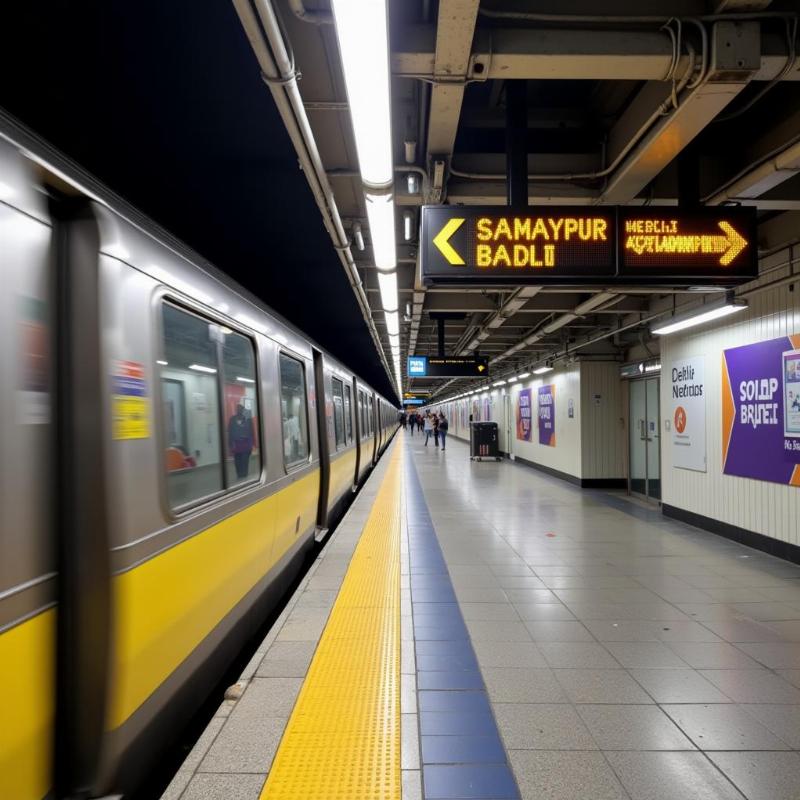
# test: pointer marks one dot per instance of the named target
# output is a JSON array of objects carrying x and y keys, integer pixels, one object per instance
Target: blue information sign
[{"x": 417, "y": 366}]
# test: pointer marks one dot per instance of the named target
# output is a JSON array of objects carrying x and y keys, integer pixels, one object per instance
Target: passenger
[
  {"x": 412, "y": 421},
  {"x": 428, "y": 427},
  {"x": 443, "y": 428},
  {"x": 240, "y": 440},
  {"x": 435, "y": 421}
]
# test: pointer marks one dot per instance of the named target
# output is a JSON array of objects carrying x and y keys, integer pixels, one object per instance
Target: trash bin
[{"x": 483, "y": 442}]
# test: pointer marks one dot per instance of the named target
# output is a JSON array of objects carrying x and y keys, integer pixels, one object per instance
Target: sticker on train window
[{"x": 130, "y": 402}]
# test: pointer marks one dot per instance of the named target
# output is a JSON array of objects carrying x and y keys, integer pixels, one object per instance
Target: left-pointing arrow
[{"x": 441, "y": 240}]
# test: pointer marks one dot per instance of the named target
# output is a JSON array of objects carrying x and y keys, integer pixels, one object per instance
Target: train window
[
  {"x": 293, "y": 411},
  {"x": 362, "y": 410},
  {"x": 372, "y": 415},
  {"x": 338, "y": 411},
  {"x": 348, "y": 414},
  {"x": 189, "y": 394},
  {"x": 242, "y": 456}
]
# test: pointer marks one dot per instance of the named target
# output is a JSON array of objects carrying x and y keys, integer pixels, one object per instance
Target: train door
[
  {"x": 324, "y": 445},
  {"x": 28, "y": 559}
]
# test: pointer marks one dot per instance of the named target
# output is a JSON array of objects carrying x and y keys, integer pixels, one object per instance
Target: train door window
[
  {"x": 293, "y": 411},
  {"x": 242, "y": 451},
  {"x": 189, "y": 394},
  {"x": 362, "y": 410},
  {"x": 372, "y": 415},
  {"x": 348, "y": 415},
  {"x": 338, "y": 411}
]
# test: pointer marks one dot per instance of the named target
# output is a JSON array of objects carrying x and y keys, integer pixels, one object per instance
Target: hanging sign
[
  {"x": 592, "y": 245},
  {"x": 688, "y": 424},
  {"x": 761, "y": 410}
]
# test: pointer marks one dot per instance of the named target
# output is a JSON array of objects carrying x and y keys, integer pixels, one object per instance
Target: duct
[
  {"x": 277, "y": 66},
  {"x": 510, "y": 307},
  {"x": 775, "y": 169}
]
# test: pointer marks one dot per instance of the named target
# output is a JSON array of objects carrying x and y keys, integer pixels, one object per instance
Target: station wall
[
  {"x": 589, "y": 443},
  {"x": 741, "y": 505}
]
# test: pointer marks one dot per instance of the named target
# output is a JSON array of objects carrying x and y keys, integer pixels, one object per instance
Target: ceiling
[{"x": 643, "y": 102}]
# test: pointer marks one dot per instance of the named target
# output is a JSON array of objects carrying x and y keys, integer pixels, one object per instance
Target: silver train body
[{"x": 170, "y": 450}]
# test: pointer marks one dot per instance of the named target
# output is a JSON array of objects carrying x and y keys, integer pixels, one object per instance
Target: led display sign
[
  {"x": 586, "y": 246},
  {"x": 447, "y": 367},
  {"x": 718, "y": 243}
]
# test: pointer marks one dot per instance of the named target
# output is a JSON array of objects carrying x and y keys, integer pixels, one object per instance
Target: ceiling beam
[
  {"x": 570, "y": 53},
  {"x": 652, "y": 131}
]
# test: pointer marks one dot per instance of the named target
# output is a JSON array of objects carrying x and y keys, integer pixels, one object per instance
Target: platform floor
[{"x": 556, "y": 644}]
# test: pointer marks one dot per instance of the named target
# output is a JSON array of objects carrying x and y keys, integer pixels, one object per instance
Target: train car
[{"x": 170, "y": 451}]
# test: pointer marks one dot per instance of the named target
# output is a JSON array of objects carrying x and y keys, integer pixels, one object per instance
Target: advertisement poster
[
  {"x": 131, "y": 407},
  {"x": 761, "y": 411},
  {"x": 547, "y": 415},
  {"x": 688, "y": 414},
  {"x": 524, "y": 415},
  {"x": 487, "y": 410}
]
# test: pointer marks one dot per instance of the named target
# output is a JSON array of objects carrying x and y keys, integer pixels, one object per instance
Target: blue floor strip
[{"x": 462, "y": 753}]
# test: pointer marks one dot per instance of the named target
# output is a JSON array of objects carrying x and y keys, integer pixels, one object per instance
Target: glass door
[{"x": 645, "y": 442}]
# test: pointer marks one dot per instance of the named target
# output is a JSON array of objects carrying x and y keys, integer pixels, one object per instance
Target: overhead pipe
[{"x": 264, "y": 33}]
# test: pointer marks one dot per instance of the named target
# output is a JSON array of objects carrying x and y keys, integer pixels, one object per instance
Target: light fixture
[
  {"x": 387, "y": 284},
  {"x": 524, "y": 375},
  {"x": 513, "y": 380},
  {"x": 244, "y": 380},
  {"x": 392, "y": 322},
  {"x": 358, "y": 236},
  {"x": 362, "y": 31},
  {"x": 163, "y": 363},
  {"x": 380, "y": 212},
  {"x": 652, "y": 368},
  {"x": 413, "y": 183},
  {"x": 408, "y": 221},
  {"x": 542, "y": 370},
  {"x": 201, "y": 368},
  {"x": 700, "y": 315},
  {"x": 499, "y": 383}
]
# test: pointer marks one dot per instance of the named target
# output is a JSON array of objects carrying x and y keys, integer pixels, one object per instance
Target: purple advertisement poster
[
  {"x": 524, "y": 415},
  {"x": 547, "y": 415},
  {"x": 761, "y": 411}
]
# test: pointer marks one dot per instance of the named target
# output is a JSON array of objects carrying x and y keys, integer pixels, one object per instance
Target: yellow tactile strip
[{"x": 343, "y": 737}]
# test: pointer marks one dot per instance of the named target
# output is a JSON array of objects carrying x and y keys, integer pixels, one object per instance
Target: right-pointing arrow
[
  {"x": 441, "y": 241},
  {"x": 736, "y": 243}
]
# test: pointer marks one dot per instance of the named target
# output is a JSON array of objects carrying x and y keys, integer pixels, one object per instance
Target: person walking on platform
[
  {"x": 412, "y": 421},
  {"x": 428, "y": 427},
  {"x": 435, "y": 429},
  {"x": 443, "y": 426}
]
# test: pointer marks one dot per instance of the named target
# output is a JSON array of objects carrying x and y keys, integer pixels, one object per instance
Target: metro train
[{"x": 170, "y": 449}]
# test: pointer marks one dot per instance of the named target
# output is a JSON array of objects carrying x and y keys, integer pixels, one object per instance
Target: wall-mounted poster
[
  {"x": 487, "y": 410},
  {"x": 688, "y": 413},
  {"x": 761, "y": 410},
  {"x": 547, "y": 414},
  {"x": 524, "y": 415}
]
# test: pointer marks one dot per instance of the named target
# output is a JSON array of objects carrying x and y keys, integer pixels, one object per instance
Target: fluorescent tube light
[
  {"x": 380, "y": 213},
  {"x": 513, "y": 380},
  {"x": 201, "y": 368},
  {"x": 392, "y": 322},
  {"x": 408, "y": 219},
  {"x": 413, "y": 183},
  {"x": 698, "y": 317},
  {"x": 362, "y": 31},
  {"x": 499, "y": 383},
  {"x": 163, "y": 363},
  {"x": 387, "y": 284},
  {"x": 244, "y": 380},
  {"x": 524, "y": 375},
  {"x": 542, "y": 370}
]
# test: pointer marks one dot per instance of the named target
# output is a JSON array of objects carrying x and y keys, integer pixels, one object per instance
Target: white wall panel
[
  {"x": 768, "y": 508},
  {"x": 602, "y": 421}
]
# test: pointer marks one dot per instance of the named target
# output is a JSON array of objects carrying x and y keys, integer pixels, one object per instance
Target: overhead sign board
[
  {"x": 448, "y": 367},
  {"x": 586, "y": 245}
]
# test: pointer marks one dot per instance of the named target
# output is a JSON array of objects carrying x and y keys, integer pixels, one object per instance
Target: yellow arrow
[
  {"x": 441, "y": 241},
  {"x": 736, "y": 243}
]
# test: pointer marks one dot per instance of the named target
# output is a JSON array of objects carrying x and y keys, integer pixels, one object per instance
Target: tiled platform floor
[{"x": 625, "y": 655}]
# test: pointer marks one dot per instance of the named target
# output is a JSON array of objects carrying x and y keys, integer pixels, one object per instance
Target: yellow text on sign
[
  {"x": 531, "y": 242},
  {"x": 659, "y": 237},
  {"x": 130, "y": 417}
]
